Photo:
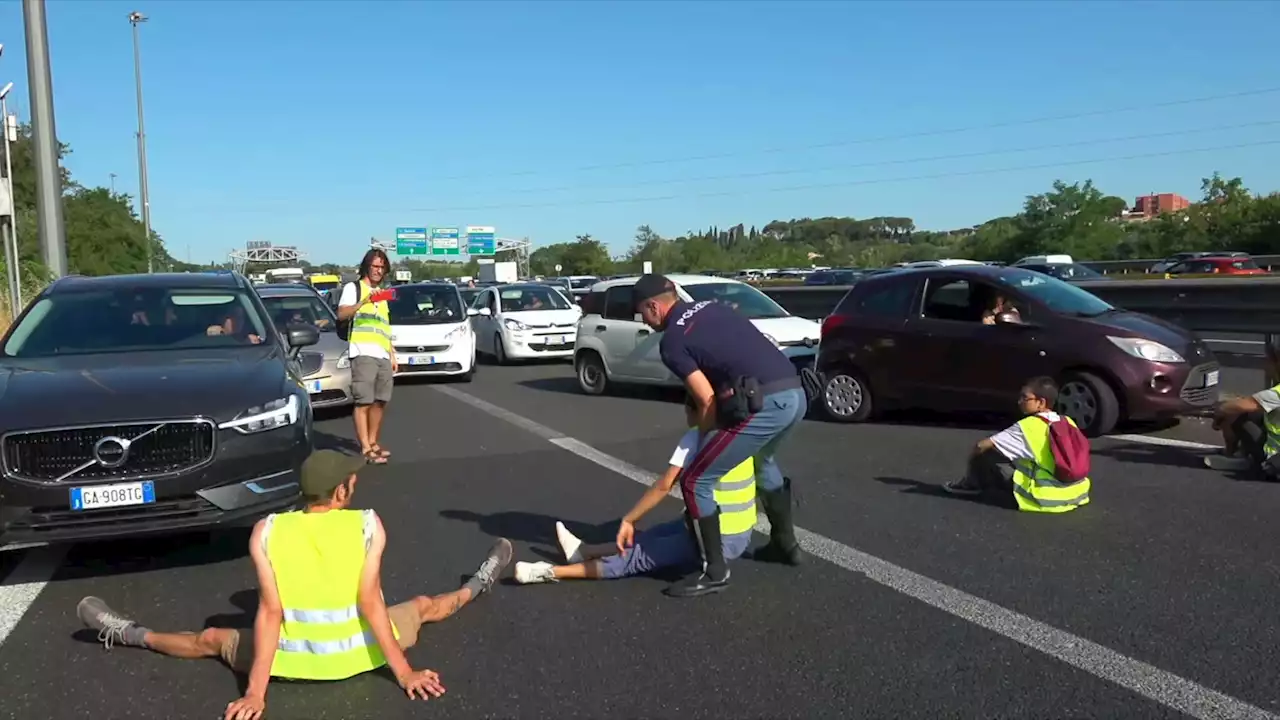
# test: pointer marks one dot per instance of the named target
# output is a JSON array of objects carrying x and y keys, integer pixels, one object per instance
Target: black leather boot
[
  {"x": 715, "y": 571},
  {"x": 782, "y": 547}
]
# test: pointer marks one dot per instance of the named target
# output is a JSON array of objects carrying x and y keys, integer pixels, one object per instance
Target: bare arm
[
  {"x": 700, "y": 390},
  {"x": 373, "y": 607},
  {"x": 266, "y": 627},
  {"x": 346, "y": 312},
  {"x": 654, "y": 495}
]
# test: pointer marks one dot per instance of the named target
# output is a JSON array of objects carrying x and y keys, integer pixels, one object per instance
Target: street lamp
[
  {"x": 11, "y": 256},
  {"x": 136, "y": 18}
]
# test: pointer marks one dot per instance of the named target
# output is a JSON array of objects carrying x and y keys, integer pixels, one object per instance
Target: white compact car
[
  {"x": 615, "y": 347},
  {"x": 524, "y": 321},
  {"x": 431, "y": 332}
]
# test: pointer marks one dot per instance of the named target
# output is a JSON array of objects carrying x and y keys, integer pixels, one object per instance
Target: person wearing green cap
[{"x": 321, "y": 614}]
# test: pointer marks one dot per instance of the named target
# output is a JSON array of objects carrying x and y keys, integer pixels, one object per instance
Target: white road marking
[
  {"x": 1162, "y": 686},
  {"x": 1167, "y": 442},
  {"x": 20, "y": 588}
]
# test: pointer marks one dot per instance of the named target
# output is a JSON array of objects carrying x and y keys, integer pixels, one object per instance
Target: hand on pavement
[
  {"x": 246, "y": 708},
  {"x": 424, "y": 684}
]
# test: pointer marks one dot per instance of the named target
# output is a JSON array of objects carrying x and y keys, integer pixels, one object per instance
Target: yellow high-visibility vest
[
  {"x": 1271, "y": 445},
  {"x": 736, "y": 496},
  {"x": 371, "y": 324},
  {"x": 317, "y": 559},
  {"x": 1035, "y": 487}
]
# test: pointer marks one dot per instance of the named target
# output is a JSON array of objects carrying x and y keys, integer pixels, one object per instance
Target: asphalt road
[{"x": 1154, "y": 601}]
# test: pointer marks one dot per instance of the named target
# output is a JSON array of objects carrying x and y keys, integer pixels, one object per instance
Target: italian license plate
[
  {"x": 422, "y": 360},
  {"x": 313, "y": 386},
  {"x": 109, "y": 496},
  {"x": 1211, "y": 378},
  {"x": 556, "y": 340}
]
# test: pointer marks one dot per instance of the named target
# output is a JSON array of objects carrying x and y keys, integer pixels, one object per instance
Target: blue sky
[{"x": 323, "y": 123}]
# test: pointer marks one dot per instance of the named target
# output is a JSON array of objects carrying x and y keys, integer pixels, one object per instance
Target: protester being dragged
[
  {"x": 674, "y": 544},
  {"x": 1038, "y": 464},
  {"x": 1250, "y": 428}
]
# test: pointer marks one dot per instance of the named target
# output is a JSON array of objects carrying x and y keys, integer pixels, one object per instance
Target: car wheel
[
  {"x": 846, "y": 397},
  {"x": 592, "y": 378},
  {"x": 499, "y": 352},
  {"x": 1090, "y": 401}
]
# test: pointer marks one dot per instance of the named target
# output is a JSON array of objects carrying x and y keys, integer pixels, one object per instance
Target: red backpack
[{"x": 1070, "y": 450}]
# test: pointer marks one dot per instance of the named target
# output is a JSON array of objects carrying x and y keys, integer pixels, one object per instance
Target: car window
[
  {"x": 887, "y": 300},
  {"x": 1055, "y": 294},
  {"x": 593, "y": 303},
  {"x": 469, "y": 296},
  {"x": 583, "y": 283},
  {"x": 964, "y": 300},
  {"x": 1244, "y": 264},
  {"x": 128, "y": 320},
  {"x": 618, "y": 304},
  {"x": 426, "y": 305},
  {"x": 531, "y": 297},
  {"x": 291, "y": 309},
  {"x": 748, "y": 301}
]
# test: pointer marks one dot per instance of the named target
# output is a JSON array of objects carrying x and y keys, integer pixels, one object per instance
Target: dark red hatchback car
[{"x": 917, "y": 339}]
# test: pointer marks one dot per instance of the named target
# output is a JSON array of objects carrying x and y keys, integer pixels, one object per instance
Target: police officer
[{"x": 749, "y": 398}]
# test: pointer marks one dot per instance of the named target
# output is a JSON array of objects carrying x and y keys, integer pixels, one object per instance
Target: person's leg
[
  {"x": 384, "y": 383},
  {"x": 667, "y": 545},
  {"x": 364, "y": 374},
  {"x": 1244, "y": 440},
  {"x": 988, "y": 474},
  {"x": 410, "y": 615},
  {"x": 782, "y": 414},
  {"x": 115, "y": 628}
]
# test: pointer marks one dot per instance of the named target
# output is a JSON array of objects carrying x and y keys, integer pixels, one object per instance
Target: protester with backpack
[{"x": 1038, "y": 464}]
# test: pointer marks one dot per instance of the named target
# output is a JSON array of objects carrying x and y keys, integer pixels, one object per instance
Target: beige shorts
[{"x": 237, "y": 649}]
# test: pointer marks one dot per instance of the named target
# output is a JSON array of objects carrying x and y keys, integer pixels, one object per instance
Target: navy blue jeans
[{"x": 723, "y": 450}]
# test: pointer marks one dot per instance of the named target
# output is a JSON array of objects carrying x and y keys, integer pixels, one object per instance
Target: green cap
[{"x": 324, "y": 470}]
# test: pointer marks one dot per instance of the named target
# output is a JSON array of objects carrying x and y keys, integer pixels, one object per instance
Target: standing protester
[
  {"x": 373, "y": 359},
  {"x": 748, "y": 396}
]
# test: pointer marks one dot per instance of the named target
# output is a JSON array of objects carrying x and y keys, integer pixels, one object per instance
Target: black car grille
[
  {"x": 155, "y": 448},
  {"x": 409, "y": 349},
  {"x": 310, "y": 362},
  {"x": 1193, "y": 390}
]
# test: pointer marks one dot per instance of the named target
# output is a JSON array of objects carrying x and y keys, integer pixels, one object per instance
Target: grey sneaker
[
  {"x": 112, "y": 627},
  {"x": 1226, "y": 462},
  {"x": 499, "y": 558},
  {"x": 961, "y": 487}
]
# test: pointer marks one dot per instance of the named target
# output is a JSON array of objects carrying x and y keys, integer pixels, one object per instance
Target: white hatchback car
[
  {"x": 614, "y": 346},
  {"x": 431, "y": 333},
  {"x": 524, "y": 321}
]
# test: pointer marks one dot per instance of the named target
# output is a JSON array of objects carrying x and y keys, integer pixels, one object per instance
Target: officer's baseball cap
[
  {"x": 650, "y": 286},
  {"x": 324, "y": 470}
]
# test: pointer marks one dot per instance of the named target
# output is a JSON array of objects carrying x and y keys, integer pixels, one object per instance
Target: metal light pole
[
  {"x": 44, "y": 137},
  {"x": 135, "y": 18},
  {"x": 12, "y": 257}
]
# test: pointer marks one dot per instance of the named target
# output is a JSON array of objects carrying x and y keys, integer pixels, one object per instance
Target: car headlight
[
  {"x": 259, "y": 418},
  {"x": 344, "y": 361},
  {"x": 1146, "y": 349},
  {"x": 458, "y": 332},
  {"x": 513, "y": 324}
]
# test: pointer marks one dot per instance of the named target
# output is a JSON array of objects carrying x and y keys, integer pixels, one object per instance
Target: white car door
[{"x": 626, "y": 339}]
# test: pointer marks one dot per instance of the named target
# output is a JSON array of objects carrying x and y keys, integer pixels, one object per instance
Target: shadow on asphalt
[
  {"x": 149, "y": 554},
  {"x": 917, "y": 487},
  {"x": 529, "y": 527},
  {"x": 1154, "y": 455}
]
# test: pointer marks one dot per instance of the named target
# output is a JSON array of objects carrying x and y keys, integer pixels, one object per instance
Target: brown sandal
[
  {"x": 381, "y": 452},
  {"x": 372, "y": 457}
]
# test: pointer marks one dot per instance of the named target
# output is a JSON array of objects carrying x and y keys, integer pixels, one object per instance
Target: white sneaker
[
  {"x": 1227, "y": 462},
  {"x": 528, "y": 573},
  {"x": 569, "y": 544}
]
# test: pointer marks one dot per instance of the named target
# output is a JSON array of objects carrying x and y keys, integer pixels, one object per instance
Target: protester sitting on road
[
  {"x": 1250, "y": 429},
  {"x": 1038, "y": 464},
  {"x": 321, "y": 614},
  {"x": 673, "y": 544}
]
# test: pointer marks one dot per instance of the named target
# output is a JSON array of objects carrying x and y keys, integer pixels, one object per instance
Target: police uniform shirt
[{"x": 712, "y": 337}]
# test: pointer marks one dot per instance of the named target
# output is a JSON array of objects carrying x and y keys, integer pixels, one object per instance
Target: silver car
[{"x": 326, "y": 368}]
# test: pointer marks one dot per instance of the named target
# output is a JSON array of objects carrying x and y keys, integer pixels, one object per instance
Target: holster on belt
[{"x": 743, "y": 399}]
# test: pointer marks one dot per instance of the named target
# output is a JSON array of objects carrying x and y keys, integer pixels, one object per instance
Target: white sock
[{"x": 569, "y": 544}]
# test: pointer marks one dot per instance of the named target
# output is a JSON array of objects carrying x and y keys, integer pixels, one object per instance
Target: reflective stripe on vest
[
  {"x": 736, "y": 496},
  {"x": 1035, "y": 487},
  {"x": 317, "y": 559},
  {"x": 371, "y": 325},
  {"x": 1271, "y": 445}
]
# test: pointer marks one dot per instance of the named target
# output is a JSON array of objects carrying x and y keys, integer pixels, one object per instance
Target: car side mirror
[
  {"x": 486, "y": 312},
  {"x": 300, "y": 335},
  {"x": 472, "y": 312}
]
